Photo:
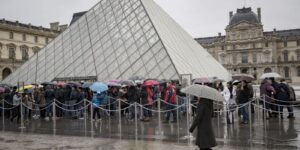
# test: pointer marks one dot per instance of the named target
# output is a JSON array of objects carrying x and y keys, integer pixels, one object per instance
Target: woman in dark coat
[{"x": 205, "y": 135}]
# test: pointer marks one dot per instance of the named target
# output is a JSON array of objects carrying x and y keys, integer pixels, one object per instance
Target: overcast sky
[{"x": 199, "y": 17}]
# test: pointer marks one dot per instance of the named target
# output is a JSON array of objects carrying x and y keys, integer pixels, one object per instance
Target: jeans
[
  {"x": 289, "y": 108},
  {"x": 49, "y": 109},
  {"x": 70, "y": 106},
  {"x": 245, "y": 112},
  {"x": 171, "y": 109},
  {"x": 147, "y": 111}
]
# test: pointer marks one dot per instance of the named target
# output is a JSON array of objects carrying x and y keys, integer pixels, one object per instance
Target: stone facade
[
  {"x": 18, "y": 42},
  {"x": 246, "y": 48}
]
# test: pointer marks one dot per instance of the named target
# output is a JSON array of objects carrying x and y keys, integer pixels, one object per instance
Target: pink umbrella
[
  {"x": 2, "y": 89},
  {"x": 150, "y": 83},
  {"x": 113, "y": 83}
]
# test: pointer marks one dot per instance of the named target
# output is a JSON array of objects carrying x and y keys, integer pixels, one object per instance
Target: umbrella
[
  {"x": 98, "y": 87},
  {"x": 2, "y": 89},
  {"x": 150, "y": 83},
  {"x": 127, "y": 83},
  {"x": 61, "y": 84},
  {"x": 47, "y": 83},
  {"x": 134, "y": 78},
  {"x": 26, "y": 87},
  {"x": 203, "y": 92},
  {"x": 242, "y": 77},
  {"x": 86, "y": 84},
  {"x": 73, "y": 84},
  {"x": 113, "y": 83},
  {"x": 270, "y": 75},
  {"x": 203, "y": 80}
]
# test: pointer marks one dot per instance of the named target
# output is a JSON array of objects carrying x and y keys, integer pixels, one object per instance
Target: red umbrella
[
  {"x": 61, "y": 84},
  {"x": 150, "y": 83}
]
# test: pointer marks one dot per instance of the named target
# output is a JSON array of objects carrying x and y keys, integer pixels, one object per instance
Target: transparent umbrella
[
  {"x": 270, "y": 75},
  {"x": 203, "y": 92}
]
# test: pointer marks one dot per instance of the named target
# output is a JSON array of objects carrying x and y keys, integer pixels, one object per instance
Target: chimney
[
  {"x": 219, "y": 34},
  {"x": 54, "y": 26},
  {"x": 230, "y": 15},
  {"x": 259, "y": 14}
]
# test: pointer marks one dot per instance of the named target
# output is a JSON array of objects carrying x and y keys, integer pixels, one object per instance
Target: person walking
[
  {"x": 284, "y": 99},
  {"x": 243, "y": 96},
  {"x": 229, "y": 94},
  {"x": 16, "y": 104},
  {"x": 41, "y": 102},
  {"x": 49, "y": 98},
  {"x": 170, "y": 101},
  {"x": 205, "y": 138}
]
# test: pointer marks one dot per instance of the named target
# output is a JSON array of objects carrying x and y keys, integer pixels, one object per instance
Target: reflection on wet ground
[{"x": 111, "y": 133}]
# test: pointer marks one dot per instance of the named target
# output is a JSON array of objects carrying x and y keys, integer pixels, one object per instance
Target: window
[
  {"x": 298, "y": 55},
  {"x": 234, "y": 58},
  {"x": 24, "y": 37},
  {"x": 223, "y": 48},
  {"x": 285, "y": 43},
  {"x": 36, "y": 39},
  {"x": 253, "y": 45},
  {"x": 11, "y": 51},
  {"x": 244, "y": 70},
  {"x": 267, "y": 70},
  {"x": 233, "y": 47},
  {"x": 286, "y": 72},
  {"x": 298, "y": 71},
  {"x": 285, "y": 56},
  {"x": 222, "y": 59},
  {"x": 25, "y": 55},
  {"x": 11, "y": 35},
  {"x": 35, "y": 49},
  {"x": 46, "y": 40},
  {"x": 244, "y": 57},
  {"x": 254, "y": 57},
  {"x": 266, "y": 44},
  {"x": 298, "y": 43}
]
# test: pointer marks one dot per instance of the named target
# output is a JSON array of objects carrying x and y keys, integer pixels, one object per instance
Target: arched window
[
  {"x": 24, "y": 50},
  {"x": 286, "y": 72},
  {"x": 5, "y": 72},
  {"x": 267, "y": 70},
  {"x": 11, "y": 51},
  {"x": 35, "y": 49},
  {"x": 285, "y": 56}
]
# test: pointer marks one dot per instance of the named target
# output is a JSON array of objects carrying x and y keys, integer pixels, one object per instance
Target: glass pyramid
[{"x": 117, "y": 39}]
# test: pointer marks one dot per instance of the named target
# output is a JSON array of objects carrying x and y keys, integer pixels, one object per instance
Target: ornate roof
[{"x": 244, "y": 14}]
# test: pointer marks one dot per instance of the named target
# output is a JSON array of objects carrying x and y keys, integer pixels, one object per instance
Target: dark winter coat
[
  {"x": 49, "y": 95},
  {"x": 205, "y": 135},
  {"x": 59, "y": 95},
  {"x": 283, "y": 93},
  {"x": 132, "y": 94},
  {"x": 144, "y": 96},
  {"x": 243, "y": 96}
]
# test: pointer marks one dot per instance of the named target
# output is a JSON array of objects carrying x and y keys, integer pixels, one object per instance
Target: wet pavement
[{"x": 113, "y": 133}]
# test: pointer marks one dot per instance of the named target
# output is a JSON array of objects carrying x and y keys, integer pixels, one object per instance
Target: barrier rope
[
  {"x": 82, "y": 108},
  {"x": 278, "y": 99},
  {"x": 161, "y": 111},
  {"x": 47, "y": 106},
  {"x": 271, "y": 109},
  {"x": 114, "y": 110},
  {"x": 15, "y": 106},
  {"x": 280, "y": 104}
]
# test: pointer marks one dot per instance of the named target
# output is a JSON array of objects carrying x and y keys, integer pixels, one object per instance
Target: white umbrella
[
  {"x": 270, "y": 75},
  {"x": 203, "y": 92},
  {"x": 242, "y": 77}
]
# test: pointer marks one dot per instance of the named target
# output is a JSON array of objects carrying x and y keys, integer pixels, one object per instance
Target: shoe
[
  {"x": 174, "y": 121},
  {"x": 47, "y": 118},
  {"x": 291, "y": 117}
]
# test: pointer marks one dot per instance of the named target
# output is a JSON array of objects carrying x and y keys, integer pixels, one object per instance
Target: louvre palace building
[
  {"x": 247, "y": 48},
  {"x": 20, "y": 41}
]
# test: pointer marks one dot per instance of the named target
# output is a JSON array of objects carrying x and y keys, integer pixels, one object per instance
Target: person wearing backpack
[{"x": 284, "y": 99}]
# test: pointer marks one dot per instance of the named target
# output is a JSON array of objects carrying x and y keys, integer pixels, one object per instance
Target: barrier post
[
  {"x": 264, "y": 108},
  {"x": 54, "y": 116},
  {"x": 91, "y": 109},
  {"x": 84, "y": 106},
  {"x": 21, "y": 109},
  {"x": 250, "y": 119},
  {"x": 177, "y": 113},
  {"x": 135, "y": 115},
  {"x": 3, "y": 112},
  {"x": 159, "y": 116}
]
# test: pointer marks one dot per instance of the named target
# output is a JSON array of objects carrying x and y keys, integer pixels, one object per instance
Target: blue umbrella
[
  {"x": 99, "y": 87},
  {"x": 86, "y": 85}
]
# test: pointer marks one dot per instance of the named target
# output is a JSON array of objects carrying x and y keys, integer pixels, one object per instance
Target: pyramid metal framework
[{"x": 117, "y": 39}]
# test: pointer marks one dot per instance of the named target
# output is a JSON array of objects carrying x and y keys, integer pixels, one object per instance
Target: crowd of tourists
[{"x": 38, "y": 100}]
